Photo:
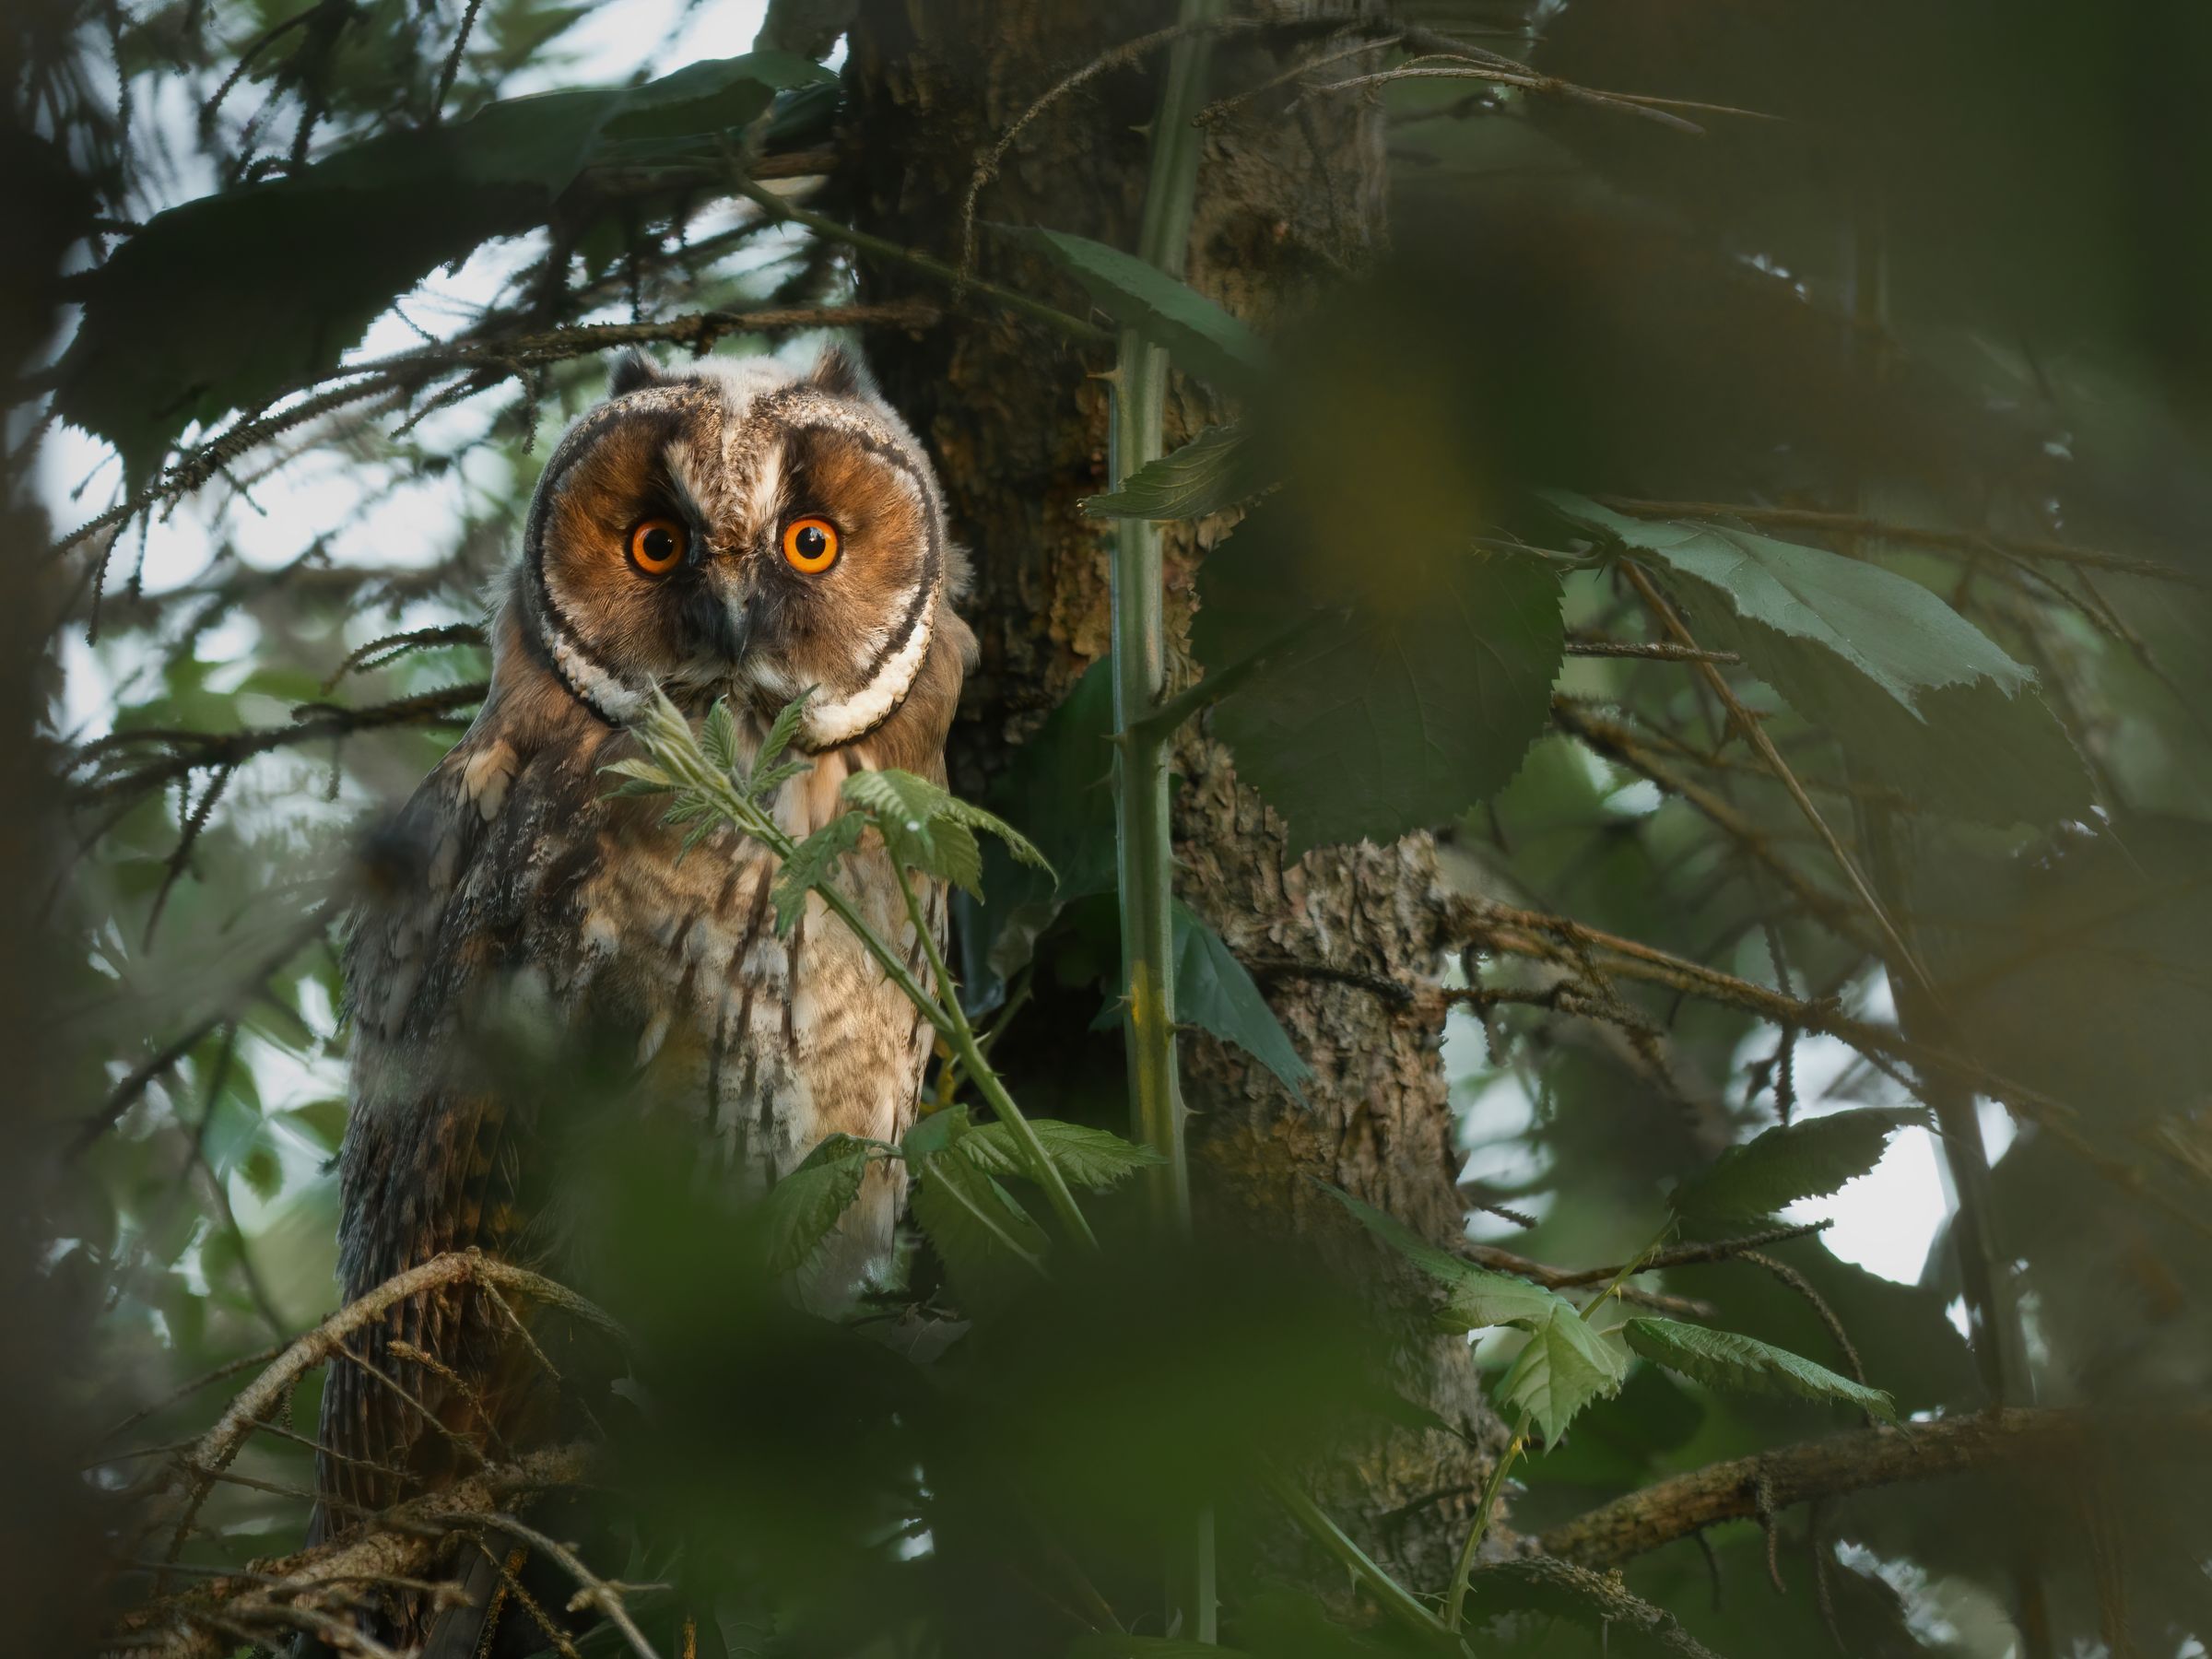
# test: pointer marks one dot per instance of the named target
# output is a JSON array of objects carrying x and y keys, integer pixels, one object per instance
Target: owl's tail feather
[{"x": 499, "y": 1612}]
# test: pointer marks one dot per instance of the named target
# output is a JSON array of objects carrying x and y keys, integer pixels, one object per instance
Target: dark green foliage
[
  {"x": 1724, "y": 1360},
  {"x": 1915, "y": 694},
  {"x": 229, "y": 301},
  {"x": 1781, "y": 1165},
  {"x": 1209, "y": 473},
  {"x": 1390, "y": 691},
  {"x": 1197, "y": 334}
]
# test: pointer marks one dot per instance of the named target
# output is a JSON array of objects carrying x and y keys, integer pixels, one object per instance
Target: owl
[{"x": 744, "y": 531}]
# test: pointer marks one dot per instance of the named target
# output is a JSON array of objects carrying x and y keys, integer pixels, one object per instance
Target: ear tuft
[
  {"x": 633, "y": 369},
  {"x": 839, "y": 372}
]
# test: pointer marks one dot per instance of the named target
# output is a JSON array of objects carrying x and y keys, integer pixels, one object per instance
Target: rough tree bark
[{"x": 1018, "y": 428}]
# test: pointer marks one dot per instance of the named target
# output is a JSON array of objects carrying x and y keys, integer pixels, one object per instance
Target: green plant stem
[
  {"x": 1394, "y": 1598},
  {"x": 1143, "y": 846},
  {"x": 961, "y": 1035},
  {"x": 1456, "y": 1602}
]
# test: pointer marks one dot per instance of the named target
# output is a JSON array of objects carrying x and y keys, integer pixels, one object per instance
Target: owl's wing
[{"x": 434, "y": 1159}]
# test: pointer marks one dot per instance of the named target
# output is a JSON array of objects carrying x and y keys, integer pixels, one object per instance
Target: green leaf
[
  {"x": 719, "y": 737},
  {"x": 991, "y": 1248},
  {"x": 974, "y": 818},
  {"x": 1214, "y": 993},
  {"x": 812, "y": 863},
  {"x": 1808, "y": 1158},
  {"x": 641, "y": 770},
  {"x": 802, "y": 1208},
  {"x": 926, "y": 829},
  {"x": 1061, "y": 782},
  {"x": 1202, "y": 338},
  {"x": 1411, "y": 697},
  {"x": 1724, "y": 1359},
  {"x": 1113, "y": 1644},
  {"x": 1084, "y": 1157},
  {"x": 1565, "y": 1366},
  {"x": 1914, "y": 692},
  {"x": 1212, "y": 471},
  {"x": 780, "y": 731},
  {"x": 1474, "y": 1296},
  {"x": 180, "y": 326}
]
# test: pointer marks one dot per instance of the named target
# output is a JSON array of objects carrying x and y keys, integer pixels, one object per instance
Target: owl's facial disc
[{"x": 761, "y": 537}]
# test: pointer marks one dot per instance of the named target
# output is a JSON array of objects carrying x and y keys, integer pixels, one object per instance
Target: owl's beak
[{"x": 718, "y": 617}]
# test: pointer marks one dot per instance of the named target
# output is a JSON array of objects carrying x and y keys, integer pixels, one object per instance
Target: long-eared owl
[{"x": 742, "y": 530}]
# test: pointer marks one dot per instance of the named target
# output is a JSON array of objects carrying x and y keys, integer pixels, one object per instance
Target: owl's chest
[{"x": 769, "y": 1039}]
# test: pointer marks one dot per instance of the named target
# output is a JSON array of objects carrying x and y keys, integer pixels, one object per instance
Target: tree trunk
[{"x": 1018, "y": 430}]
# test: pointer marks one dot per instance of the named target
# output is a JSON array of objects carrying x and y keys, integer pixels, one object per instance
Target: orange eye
[
  {"x": 810, "y": 545},
  {"x": 657, "y": 545}
]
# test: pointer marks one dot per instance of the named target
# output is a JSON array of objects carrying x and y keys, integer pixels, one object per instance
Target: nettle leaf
[
  {"x": 926, "y": 828},
  {"x": 1475, "y": 1297},
  {"x": 1566, "y": 1364},
  {"x": 1084, "y": 1157},
  {"x": 780, "y": 731},
  {"x": 1914, "y": 692},
  {"x": 1390, "y": 696},
  {"x": 1724, "y": 1359},
  {"x": 1202, "y": 338},
  {"x": 178, "y": 328},
  {"x": 656, "y": 779},
  {"x": 812, "y": 863},
  {"x": 718, "y": 737},
  {"x": 802, "y": 1208},
  {"x": 1214, "y": 993},
  {"x": 991, "y": 1247},
  {"x": 1806, "y": 1159},
  {"x": 1212, "y": 471}
]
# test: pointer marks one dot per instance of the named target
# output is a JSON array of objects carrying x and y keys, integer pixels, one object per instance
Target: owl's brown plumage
[{"x": 675, "y": 541}]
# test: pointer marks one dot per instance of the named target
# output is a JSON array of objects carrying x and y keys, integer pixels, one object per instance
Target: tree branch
[{"x": 1734, "y": 1490}]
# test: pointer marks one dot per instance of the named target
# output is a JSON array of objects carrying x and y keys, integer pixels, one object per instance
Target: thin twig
[{"x": 1756, "y": 736}]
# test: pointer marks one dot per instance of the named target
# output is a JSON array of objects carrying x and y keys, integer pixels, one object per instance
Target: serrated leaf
[
  {"x": 802, "y": 1208},
  {"x": 763, "y": 785},
  {"x": 974, "y": 818},
  {"x": 935, "y": 1131},
  {"x": 1212, "y": 471},
  {"x": 780, "y": 731},
  {"x": 1724, "y": 1359},
  {"x": 1914, "y": 692},
  {"x": 1566, "y": 1365},
  {"x": 814, "y": 863},
  {"x": 1215, "y": 992},
  {"x": 639, "y": 769},
  {"x": 925, "y": 828},
  {"x": 719, "y": 735},
  {"x": 1201, "y": 337},
  {"x": 1089, "y": 1157},
  {"x": 1808, "y": 1158},
  {"x": 991, "y": 1247},
  {"x": 895, "y": 794},
  {"x": 1388, "y": 698},
  {"x": 1474, "y": 1296}
]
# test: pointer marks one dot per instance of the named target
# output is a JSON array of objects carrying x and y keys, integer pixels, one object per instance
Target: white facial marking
[{"x": 839, "y": 718}]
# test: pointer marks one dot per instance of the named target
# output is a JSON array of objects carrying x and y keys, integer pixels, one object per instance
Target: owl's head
[{"x": 745, "y": 529}]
